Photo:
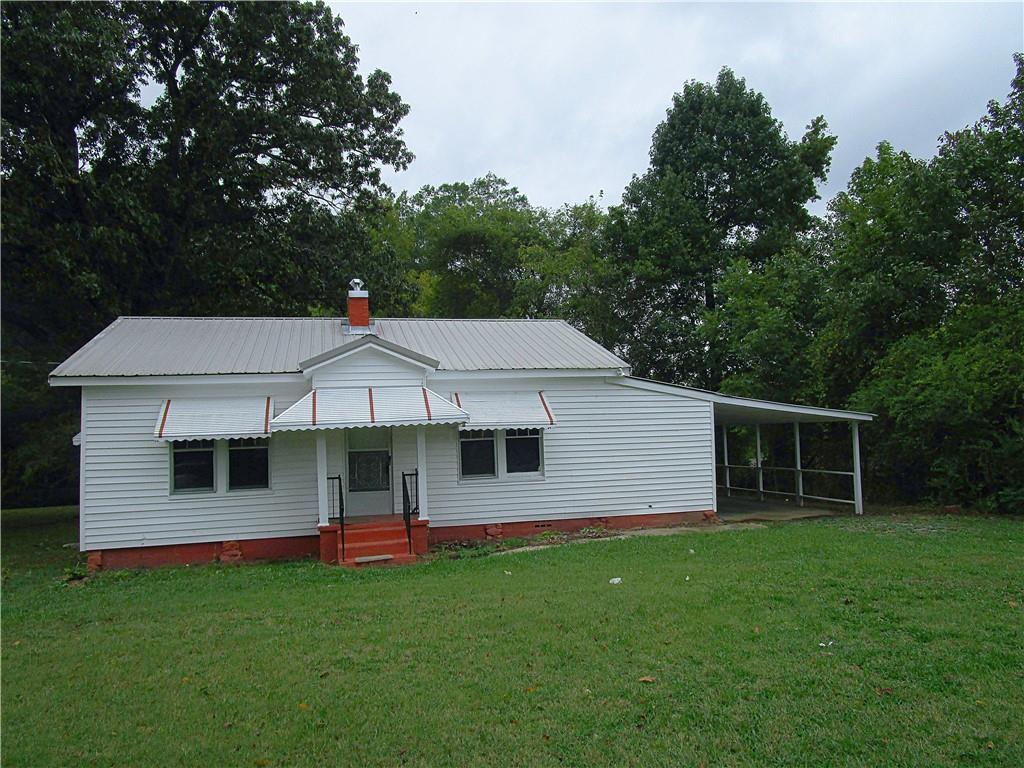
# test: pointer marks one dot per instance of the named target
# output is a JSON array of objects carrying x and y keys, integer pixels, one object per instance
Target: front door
[{"x": 368, "y": 471}]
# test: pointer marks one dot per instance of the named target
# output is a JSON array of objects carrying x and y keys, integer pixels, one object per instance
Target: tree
[
  {"x": 724, "y": 183},
  {"x": 950, "y": 405},
  {"x": 243, "y": 182},
  {"x": 768, "y": 322},
  {"x": 471, "y": 243}
]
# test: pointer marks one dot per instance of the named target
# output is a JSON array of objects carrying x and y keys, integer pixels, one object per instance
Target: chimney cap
[{"x": 357, "y": 291}]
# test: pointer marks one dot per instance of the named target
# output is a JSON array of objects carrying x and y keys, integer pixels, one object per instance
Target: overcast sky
[{"x": 562, "y": 99}]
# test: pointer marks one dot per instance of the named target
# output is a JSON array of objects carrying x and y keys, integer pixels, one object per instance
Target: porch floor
[{"x": 735, "y": 509}]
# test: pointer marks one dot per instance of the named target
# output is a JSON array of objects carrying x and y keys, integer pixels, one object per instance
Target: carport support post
[
  {"x": 799, "y": 468},
  {"x": 760, "y": 472},
  {"x": 725, "y": 458},
  {"x": 858, "y": 494}
]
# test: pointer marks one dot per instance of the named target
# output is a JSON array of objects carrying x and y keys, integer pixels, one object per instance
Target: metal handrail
[
  {"x": 787, "y": 469},
  {"x": 341, "y": 511},
  {"x": 798, "y": 470},
  {"x": 407, "y": 505}
]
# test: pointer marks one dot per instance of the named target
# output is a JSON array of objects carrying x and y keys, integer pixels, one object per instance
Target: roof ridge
[{"x": 343, "y": 319}]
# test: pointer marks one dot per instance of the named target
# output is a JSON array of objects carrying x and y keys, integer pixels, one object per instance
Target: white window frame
[
  {"x": 227, "y": 469},
  {"x": 501, "y": 473},
  {"x": 539, "y": 472},
  {"x": 494, "y": 447},
  {"x": 191, "y": 491}
]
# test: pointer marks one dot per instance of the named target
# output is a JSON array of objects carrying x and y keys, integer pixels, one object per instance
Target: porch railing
[
  {"x": 337, "y": 501},
  {"x": 798, "y": 491},
  {"x": 409, "y": 507}
]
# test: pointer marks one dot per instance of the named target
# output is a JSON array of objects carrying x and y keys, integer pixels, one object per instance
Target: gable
[{"x": 368, "y": 367}]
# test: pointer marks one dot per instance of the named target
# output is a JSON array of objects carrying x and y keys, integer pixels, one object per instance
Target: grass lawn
[{"x": 531, "y": 658}]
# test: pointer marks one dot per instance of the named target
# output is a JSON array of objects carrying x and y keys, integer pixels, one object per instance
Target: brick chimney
[{"x": 358, "y": 308}]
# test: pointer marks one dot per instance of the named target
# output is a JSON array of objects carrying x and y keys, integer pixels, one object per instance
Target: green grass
[{"x": 457, "y": 662}]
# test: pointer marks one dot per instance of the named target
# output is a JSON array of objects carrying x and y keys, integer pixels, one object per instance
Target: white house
[{"x": 364, "y": 439}]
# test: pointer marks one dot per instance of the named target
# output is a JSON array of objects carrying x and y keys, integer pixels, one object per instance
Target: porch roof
[{"x": 351, "y": 407}]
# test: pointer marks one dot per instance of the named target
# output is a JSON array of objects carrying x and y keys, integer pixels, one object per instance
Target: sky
[{"x": 561, "y": 99}]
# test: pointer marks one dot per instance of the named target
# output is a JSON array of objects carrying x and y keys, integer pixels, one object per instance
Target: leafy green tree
[
  {"x": 892, "y": 254},
  {"x": 768, "y": 322},
  {"x": 724, "y": 183},
  {"x": 242, "y": 181},
  {"x": 471, "y": 243},
  {"x": 950, "y": 405}
]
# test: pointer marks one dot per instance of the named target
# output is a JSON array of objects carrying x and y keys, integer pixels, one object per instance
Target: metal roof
[
  {"x": 505, "y": 410},
  {"x": 208, "y": 418},
  {"x": 733, "y": 409},
  {"x": 346, "y": 407},
  {"x": 155, "y": 346}
]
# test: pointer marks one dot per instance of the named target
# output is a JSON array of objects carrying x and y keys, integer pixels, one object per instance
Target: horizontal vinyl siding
[
  {"x": 403, "y": 459},
  {"x": 126, "y": 481},
  {"x": 368, "y": 368},
  {"x": 614, "y": 451}
]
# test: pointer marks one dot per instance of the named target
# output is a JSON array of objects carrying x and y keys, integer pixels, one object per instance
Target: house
[{"x": 366, "y": 439}]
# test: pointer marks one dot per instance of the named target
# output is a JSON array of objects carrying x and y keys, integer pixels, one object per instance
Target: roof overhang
[
  {"x": 505, "y": 410},
  {"x": 352, "y": 407},
  {"x": 730, "y": 409},
  {"x": 213, "y": 418},
  {"x": 364, "y": 342}
]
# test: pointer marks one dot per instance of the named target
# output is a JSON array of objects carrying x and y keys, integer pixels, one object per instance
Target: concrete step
[{"x": 378, "y": 560}]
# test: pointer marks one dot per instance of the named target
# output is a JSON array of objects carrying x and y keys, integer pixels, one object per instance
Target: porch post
[
  {"x": 760, "y": 472},
  {"x": 421, "y": 472},
  {"x": 858, "y": 494},
  {"x": 799, "y": 467},
  {"x": 321, "y": 476},
  {"x": 725, "y": 457}
]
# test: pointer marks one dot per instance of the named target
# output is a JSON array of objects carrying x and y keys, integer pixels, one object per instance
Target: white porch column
[
  {"x": 421, "y": 472},
  {"x": 321, "y": 477},
  {"x": 858, "y": 494},
  {"x": 799, "y": 467},
  {"x": 725, "y": 458},
  {"x": 760, "y": 472}
]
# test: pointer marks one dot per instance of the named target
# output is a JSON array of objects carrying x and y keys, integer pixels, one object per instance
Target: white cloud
[{"x": 561, "y": 99}]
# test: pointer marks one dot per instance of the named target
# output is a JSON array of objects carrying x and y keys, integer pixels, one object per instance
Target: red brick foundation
[
  {"x": 329, "y": 543},
  {"x": 533, "y": 527},
  {"x": 325, "y": 544},
  {"x": 289, "y": 547}
]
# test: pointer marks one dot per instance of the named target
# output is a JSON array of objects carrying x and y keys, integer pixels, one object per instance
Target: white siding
[
  {"x": 403, "y": 459},
  {"x": 615, "y": 451},
  {"x": 126, "y": 479},
  {"x": 368, "y": 368}
]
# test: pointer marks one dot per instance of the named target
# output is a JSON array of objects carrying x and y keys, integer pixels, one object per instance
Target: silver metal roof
[{"x": 153, "y": 346}]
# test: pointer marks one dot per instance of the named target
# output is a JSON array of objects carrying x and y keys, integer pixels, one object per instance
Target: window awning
[
  {"x": 347, "y": 407},
  {"x": 505, "y": 410},
  {"x": 213, "y": 418}
]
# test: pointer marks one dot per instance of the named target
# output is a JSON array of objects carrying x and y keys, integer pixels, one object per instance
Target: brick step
[
  {"x": 376, "y": 534},
  {"x": 383, "y": 547}
]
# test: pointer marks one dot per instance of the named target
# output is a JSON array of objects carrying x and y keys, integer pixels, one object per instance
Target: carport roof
[{"x": 730, "y": 409}]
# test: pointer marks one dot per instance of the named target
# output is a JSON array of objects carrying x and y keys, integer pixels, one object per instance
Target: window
[
  {"x": 192, "y": 466},
  {"x": 522, "y": 450},
  {"x": 476, "y": 453},
  {"x": 369, "y": 471},
  {"x": 248, "y": 463}
]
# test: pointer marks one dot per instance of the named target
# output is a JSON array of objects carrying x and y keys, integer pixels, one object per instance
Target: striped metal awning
[
  {"x": 505, "y": 410},
  {"x": 213, "y": 418},
  {"x": 348, "y": 407}
]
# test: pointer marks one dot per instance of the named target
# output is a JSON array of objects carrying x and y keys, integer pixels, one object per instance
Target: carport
[{"x": 747, "y": 480}]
